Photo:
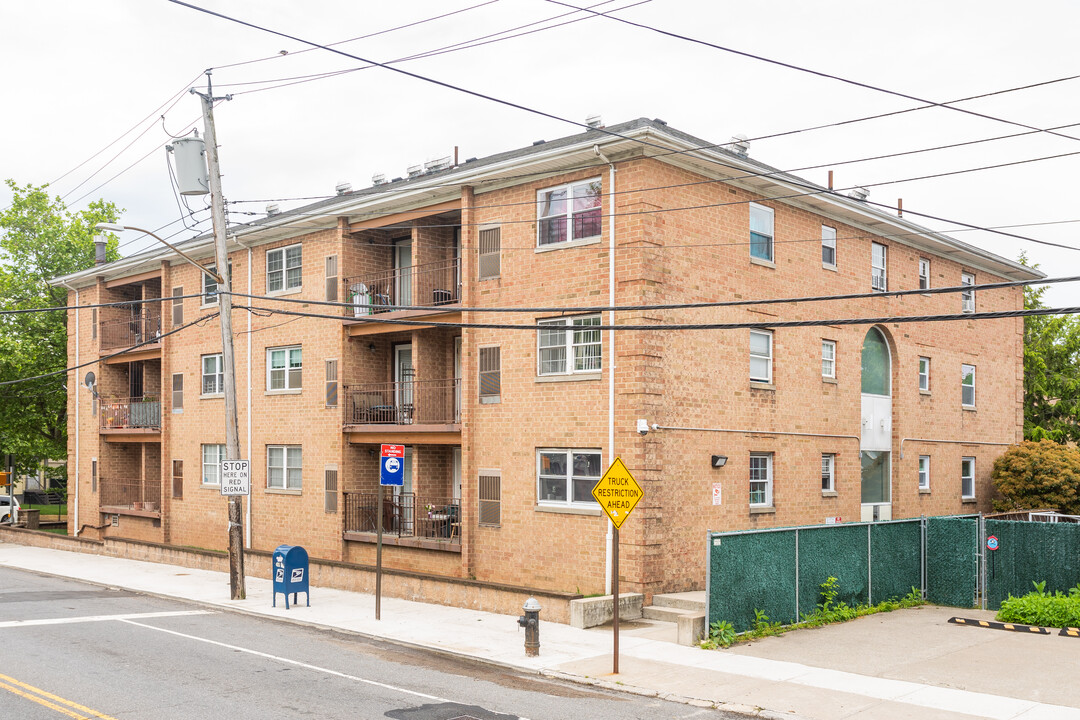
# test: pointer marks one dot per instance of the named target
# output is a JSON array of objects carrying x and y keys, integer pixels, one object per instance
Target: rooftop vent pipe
[
  {"x": 859, "y": 193},
  {"x": 343, "y": 187},
  {"x": 99, "y": 250},
  {"x": 273, "y": 209}
]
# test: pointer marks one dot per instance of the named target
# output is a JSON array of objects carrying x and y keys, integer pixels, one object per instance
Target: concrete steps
[{"x": 685, "y": 609}]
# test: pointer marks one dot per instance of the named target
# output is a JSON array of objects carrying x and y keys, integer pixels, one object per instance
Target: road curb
[{"x": 995, "y": 625}]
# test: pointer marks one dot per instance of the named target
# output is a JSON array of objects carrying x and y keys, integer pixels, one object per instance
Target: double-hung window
[
  {"x": 284, "y": 368},
  {"x": 761, "y": 232},
  {"x": 967, "y": 478},
  {"x": 924, "y": 274},
  {"x": 828, "y": 359},
  {"x": 879, "y": 281},
  {"x": 967, "y": 386},
  {"x": 924, "y": 472},
  {"x": 924, "y": 374},
  {"x": 284, "y": 268},
  {"x": 967, "y": 297},
  {"x": 567, "y": 477},
  {"x": 828, "y": 472},
  {"x": 569, "y": 345},
  {"x": 567, "y": 213},
  {"x": 761, "y": 356},
  {"x": 284, "y": 467},
  {"x": 210, "y": 285},
  {"x": 212, "y": 457},
  {"x": 761, "y": 479},
  {"x": 213, "y": 375},
  {"x": 828, "y": 246}
]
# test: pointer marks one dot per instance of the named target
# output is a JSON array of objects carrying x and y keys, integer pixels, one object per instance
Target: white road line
[
  {"x": 297, "y": 663},
  {"x": 99, "y": 618}
]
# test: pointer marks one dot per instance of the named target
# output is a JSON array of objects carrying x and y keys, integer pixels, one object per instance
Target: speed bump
[{"x": 995, "y": 625}]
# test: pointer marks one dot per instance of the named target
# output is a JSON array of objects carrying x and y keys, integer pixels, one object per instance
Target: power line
[
  {"x": 882, "y": 320},
  {"x": 151, "y": 341},
  {"x": 818, "y": 73}
]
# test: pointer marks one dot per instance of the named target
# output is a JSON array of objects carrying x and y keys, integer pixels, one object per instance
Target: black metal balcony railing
[
  {"x": 413, "y": 402},
  {"x": 436, "y": 283},
  {"x": 131, "y": 494},
  {"x": 404, "y": 515},
  {"x": 125, "y": 332},
  {"x": 143, "y": 413}
]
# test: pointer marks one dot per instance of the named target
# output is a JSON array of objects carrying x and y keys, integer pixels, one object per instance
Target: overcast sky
[{"x": 78, "y": 75}]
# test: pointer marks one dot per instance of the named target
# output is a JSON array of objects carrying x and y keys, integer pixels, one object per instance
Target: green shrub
[
  {"x": 1040, "y": 474},
  {"x": 1042, "y": 608}
]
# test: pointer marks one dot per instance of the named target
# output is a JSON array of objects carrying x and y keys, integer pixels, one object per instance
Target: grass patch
[
  {"x": 55, "y": 531},
  {"x": 1041, "y": 608},
  {"x": 722, "y": 633},
  {"x": 57, "y": 510}
]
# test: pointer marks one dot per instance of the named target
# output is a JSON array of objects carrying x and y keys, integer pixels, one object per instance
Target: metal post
[
  {"x": 378, "y": 555},
  {"x": 796, "y": 574},
  {"x": 922, "y": 556},
  {"x": 615, "y": 598},
  {"x": 869, "y": 566},
  {"x": 232, "y": 425},
  {"x": 981, "y": 554}
]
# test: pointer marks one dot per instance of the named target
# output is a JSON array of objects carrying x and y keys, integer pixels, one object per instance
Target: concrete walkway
[{"x": 905, "y": 664}]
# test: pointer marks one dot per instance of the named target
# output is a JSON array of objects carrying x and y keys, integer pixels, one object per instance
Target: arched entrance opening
[{"x": 876, "y": 432}]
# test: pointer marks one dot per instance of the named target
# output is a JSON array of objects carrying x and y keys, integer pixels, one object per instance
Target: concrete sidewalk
[{"x": 905, "y": 664}]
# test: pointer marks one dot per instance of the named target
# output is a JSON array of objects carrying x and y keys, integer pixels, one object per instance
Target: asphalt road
[{"x": 76, "y": 650}]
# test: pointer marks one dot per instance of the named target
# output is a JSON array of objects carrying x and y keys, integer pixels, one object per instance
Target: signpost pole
[
  {"x": 615, "y": 598},
  {"x": 378, "y": 556}
]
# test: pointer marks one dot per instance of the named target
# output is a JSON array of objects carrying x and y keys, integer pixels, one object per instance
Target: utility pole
[{"x": 232, "y": 424}]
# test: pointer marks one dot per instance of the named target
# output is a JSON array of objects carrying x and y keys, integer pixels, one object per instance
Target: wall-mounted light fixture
[
  {"x": 371, "y": 348},
  {"x": 719, "y": 461}
]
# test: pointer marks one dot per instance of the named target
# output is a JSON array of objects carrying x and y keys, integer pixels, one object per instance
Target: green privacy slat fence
[
  {"x": 780, "y": 572},
  {"x": 1030, "y": 552},
  {"x": 952, "y": 562}
]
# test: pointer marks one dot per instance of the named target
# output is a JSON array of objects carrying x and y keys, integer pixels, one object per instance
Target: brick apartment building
[{"x": 508, "y": 429}]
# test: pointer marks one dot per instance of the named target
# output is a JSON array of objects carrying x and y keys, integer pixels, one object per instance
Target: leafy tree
[
  {"x": 40, "y": 239},
  {"x": 1038, "y": 474},
  {"x": 1051, "y": 373}
]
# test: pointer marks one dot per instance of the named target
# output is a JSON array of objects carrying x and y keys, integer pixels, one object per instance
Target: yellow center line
[{"x": 46, "y": 694}]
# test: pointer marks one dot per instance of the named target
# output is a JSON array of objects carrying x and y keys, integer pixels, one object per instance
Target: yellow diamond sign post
[{"x": 618, "y": 494}]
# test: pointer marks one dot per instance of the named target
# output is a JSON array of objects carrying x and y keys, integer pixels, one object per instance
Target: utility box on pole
[{"x": 191, "y": 173}]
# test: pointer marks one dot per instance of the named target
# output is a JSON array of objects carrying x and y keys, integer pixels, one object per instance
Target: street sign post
[
  {"x": 392, "y": 473},
  {"x": 235, "y": 477},
  {"x": 618, "y": 494}
]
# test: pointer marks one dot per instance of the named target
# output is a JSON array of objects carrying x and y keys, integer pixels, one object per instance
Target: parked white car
[{"x": 5, "y": 508}]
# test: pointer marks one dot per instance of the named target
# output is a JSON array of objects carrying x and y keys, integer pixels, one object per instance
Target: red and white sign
[
  {"x": 717, "y": 494},
  {"x": 833, "y": 520},
  {"x": 397, "y": 451}
]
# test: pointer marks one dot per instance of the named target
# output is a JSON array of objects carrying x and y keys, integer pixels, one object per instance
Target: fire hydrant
[{"x": 531, "y": 622}]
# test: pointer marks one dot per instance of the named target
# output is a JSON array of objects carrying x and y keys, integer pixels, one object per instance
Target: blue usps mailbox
[{"x": 291, "y": 573}]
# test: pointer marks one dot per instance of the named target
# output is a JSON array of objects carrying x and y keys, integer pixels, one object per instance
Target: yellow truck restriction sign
[{"x": 618, "y": 493}]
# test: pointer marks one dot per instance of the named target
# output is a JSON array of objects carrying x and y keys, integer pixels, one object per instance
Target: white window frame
[
  {"x": 968, "y": 478},
  {"x": 573, "y": 351},
  {"x": 285, "y": 268},
  {"x": 924, "y": 374},
  {"x": 828, "y": 359},
  {"x": 924, "y": 472},
  {"x": 289, "y": 481},
  {"x": 967, "y": 297},
  {"x": 588, "y": 501},
  {"x": 211, "y": 464},
  {"x": 767, "y": 490},
  {"x": 568, "y": 213},
  {"x": 924, "y": 273},
  {"x": 963, "y": 376},
  {"x": 879, "y": 273},
  {"x": 828, "y": 243},
  {"x": 828, "y": 472},
  {"x": 287, "y": 369},
  {"x": 209, "y": 298},
  {"x": 219, "y": 376},
  {"x": 766, "y": 217},
  {"x": 768, "y": 357}
]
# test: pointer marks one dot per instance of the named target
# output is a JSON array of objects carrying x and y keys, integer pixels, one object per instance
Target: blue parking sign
[{"x": 392, "y": 465}]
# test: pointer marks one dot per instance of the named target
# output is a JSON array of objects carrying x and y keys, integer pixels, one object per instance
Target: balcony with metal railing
[
  {"x": 409, "y": 519},
  {"x": 130, "y": 497},
  {"x": 130, "y": 416},
  {"x": 142, "y": 329},
  {"x": 433, "y": 285},
  {"x": 412, "y": 403}
]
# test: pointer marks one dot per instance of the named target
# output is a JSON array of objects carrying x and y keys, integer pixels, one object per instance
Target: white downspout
[
  {"x": 247, "y": 506},
  {"x": 75, "y": 385},
  {"x": 611, "y": 348}
]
